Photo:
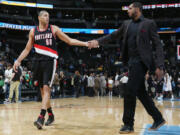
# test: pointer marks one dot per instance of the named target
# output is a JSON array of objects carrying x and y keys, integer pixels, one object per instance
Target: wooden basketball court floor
[{"x": 85, "y": 116}]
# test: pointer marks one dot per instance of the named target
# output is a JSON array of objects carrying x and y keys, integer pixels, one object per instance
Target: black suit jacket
[{"x": 146, "y": 33}]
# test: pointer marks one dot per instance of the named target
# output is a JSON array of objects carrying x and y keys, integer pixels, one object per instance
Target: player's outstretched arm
[
  {"x": 26, "y": 51},
  {"x": 61, "y": 35}
]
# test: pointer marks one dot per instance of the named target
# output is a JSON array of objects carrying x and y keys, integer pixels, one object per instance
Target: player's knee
[{"x": 46, "y": 88}]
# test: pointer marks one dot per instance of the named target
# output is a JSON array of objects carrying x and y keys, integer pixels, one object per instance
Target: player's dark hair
[
  {"x": 138, "y": 5},
  {"x": 42, "y": 12}
]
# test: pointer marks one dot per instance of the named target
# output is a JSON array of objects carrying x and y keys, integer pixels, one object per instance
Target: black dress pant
[{"x": 136, "y": 88}]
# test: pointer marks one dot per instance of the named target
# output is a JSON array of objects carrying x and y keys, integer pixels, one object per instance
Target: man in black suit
[{"x": 137, "y": 51}]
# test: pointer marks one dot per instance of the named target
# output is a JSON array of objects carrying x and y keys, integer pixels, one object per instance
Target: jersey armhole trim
[
  {"x": 52, "y": 31},
  {"x": 33, "y": 35}
]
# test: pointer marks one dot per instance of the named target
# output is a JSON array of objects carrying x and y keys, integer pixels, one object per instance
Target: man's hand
[
  {"x": 16, "y": 65},
  {"x": 87, "y": 44},
  {"x": 159, "y": 74},
  {"x": 93, "y": 44}
]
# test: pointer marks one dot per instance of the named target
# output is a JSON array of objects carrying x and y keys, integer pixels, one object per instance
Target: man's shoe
[
  {"x": 126, "y": 129},
  {"x": 157, "y": 124},
  {"x": 50, "y": 120},
  {"x": 39, "y": 123}
]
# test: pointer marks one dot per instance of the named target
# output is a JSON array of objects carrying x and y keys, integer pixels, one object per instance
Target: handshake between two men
[{"x": 93, "y": 44}]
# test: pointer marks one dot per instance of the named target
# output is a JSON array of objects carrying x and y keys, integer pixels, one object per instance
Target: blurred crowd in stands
[{"x": 83, "y": 72}]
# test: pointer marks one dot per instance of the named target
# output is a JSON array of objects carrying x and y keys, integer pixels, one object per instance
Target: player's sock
[
  {"x": 42, "y": 113},
  {"x": 50, "y": 118},
  {"x": 49, "y": 110}
]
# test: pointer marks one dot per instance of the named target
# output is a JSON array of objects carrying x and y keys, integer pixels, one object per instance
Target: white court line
[{"x": 144, "y": 128}]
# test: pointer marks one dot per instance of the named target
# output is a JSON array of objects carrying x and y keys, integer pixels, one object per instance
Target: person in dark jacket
[
  {"x": 77, "y": 83},
  {"x": 139, "y": 38},
  {"x": 61, "y": 83}
]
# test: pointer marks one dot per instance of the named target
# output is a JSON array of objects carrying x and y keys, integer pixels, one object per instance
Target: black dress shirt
[{"x": 133, "y": 54}]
